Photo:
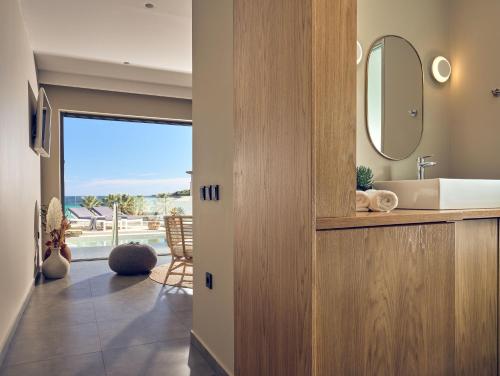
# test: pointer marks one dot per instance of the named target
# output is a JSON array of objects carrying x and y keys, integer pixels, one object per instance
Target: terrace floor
[{"x": 94, "y": 322}]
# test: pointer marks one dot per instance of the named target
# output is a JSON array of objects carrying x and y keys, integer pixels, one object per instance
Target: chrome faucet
[{"x": 422, "y": 164}]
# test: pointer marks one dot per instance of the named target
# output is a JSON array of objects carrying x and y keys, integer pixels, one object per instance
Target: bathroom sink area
[{"x": 442, "y": 194}]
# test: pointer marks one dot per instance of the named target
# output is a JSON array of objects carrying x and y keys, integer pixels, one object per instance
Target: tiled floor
[{"x": 97, "y": 323}]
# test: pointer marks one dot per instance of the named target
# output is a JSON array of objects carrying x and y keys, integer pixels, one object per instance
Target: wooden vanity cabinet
[
  {"x": 476, "y": 297},
  {"x": 407, "y": 300}
]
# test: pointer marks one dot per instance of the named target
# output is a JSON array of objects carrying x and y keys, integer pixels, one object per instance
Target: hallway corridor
[{"x": 94, "y": 323}]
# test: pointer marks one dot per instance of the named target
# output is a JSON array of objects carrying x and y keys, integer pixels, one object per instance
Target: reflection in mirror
[{"x": 394, "y": 97}]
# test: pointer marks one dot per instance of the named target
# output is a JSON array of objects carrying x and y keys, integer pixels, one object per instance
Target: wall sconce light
[
  {"x": 359, "y": 53},
  {"x": 441, "y": 69}
]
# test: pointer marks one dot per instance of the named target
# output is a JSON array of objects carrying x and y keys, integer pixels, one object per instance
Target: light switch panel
[
  {"x": 215, "y": 195},
  {"x": 209, "y": 193}
]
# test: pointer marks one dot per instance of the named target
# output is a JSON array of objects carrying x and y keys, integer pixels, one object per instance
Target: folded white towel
[
  {"x": 362, "y": 201},
  {"x": 382, "y": 201}
]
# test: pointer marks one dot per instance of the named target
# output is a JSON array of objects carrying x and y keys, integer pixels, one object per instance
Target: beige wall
[
  {"x": 424, "y": 24},
  {"x": 104, "y": 102},
  {"x": 19, "y": 168},
  {"x": 475, "y": 113},
  {"x": 213, "y": 163}
]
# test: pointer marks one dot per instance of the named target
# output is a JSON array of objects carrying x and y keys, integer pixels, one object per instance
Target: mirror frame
[{"x": 368, "y": 55}]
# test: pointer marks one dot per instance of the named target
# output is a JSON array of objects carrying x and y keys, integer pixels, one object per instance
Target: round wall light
[
  {"x": 359, "y": 56},
  {"x": 441, "y": 69}
]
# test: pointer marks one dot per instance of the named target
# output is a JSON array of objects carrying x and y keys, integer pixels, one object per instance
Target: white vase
[{"x": 55, "y": 266}]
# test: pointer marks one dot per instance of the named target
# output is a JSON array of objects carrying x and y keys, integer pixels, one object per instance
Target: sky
[{"x": 104, "y": 157}]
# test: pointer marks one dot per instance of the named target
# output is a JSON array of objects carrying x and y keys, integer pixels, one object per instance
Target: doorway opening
[{"x": 142, "y": 166}]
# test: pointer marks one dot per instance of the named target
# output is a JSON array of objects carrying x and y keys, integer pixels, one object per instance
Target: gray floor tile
[
  {"x": 60, "y": 314},
  {"x": 77, "y": 365},
  {"x": 179, "y": 302},
  {"x": 107, "y": 309},
  {"x": 148, "y": 299},
  {"x": 129, "y": 303},
  {"x": 111, "y": 283},
  {"x": 146, "y": 328},
  {"x": 48, "y": 342},
  {"x": 81, "y": 269},
  {"x": 186, "y": 318},
  {"x": 72, "y": 281},
  {"x": 136, "y": 325},
  {"x": 60, "y": 292},
  {"x": 173, "y": 358}
]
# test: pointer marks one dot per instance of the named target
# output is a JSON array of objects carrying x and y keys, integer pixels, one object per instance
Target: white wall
[
  {"x": 425, "y": 24},
  {"x": 64, "y": 98},
  {"x": 19, "y": 167},
  {"x": 213, "y": 164}
]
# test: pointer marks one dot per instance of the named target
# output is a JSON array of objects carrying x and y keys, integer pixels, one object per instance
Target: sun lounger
[
  {"x": 105, "y": 212},
  {"x": 84, "y": 216},
  {"x": 82, "y": 213},
  {"x": 123, "y": 219}
]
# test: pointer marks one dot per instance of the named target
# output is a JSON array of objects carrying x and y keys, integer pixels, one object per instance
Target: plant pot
[
  {"x": 65, "y": 252},
  {"x": 55, "y": 266},
  {"x": 153, "y": 225}
]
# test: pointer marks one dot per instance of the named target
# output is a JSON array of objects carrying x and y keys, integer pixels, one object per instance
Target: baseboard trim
[
  {"x": 207, "y": 355},
  {"x": 5, "y": 349}
]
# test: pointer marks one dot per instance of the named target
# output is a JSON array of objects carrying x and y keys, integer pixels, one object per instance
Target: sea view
[
  {"x": 146, "y": 185},
  {"x": 151, "y": 204}
]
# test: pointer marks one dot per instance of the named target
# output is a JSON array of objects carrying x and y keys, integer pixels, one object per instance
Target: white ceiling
[{"x": 90, "y": 37}]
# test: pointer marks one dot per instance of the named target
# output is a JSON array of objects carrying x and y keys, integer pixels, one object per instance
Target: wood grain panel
[
  {"x": 385, "y": 301},
  {"x": 396, "y": 217},
  {"x": 273, "y": 187},
  {"x": 294, "y": 77},
  {"x": 476, "y": 297},
  {"x": 334, "y": 106},
  {"x": 401, "y": 217}
]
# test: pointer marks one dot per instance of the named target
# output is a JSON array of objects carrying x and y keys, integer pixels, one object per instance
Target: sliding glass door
[{"x": 140, "y": 166}]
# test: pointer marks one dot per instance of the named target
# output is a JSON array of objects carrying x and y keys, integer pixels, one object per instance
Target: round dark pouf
[{"x": 132, "y": 258}]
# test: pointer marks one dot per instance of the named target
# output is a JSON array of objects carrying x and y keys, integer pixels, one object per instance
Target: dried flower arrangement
[{"x": 55, "y": 224}]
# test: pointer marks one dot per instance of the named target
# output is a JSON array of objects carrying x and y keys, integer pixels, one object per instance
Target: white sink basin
[{"x": 444, "y": 193}]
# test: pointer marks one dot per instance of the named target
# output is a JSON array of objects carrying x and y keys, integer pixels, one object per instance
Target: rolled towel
[
  {"x": 362, "y": 201},
  {"x": 382, "y": 201}
]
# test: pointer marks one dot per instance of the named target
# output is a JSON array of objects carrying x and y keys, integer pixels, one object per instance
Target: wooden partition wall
[{"x": 295, "y": 79}]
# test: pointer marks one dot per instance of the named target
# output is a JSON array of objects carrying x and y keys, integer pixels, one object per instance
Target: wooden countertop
[{"x": 401, "y": 217}]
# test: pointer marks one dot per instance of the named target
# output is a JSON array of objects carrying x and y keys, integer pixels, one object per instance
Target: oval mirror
[{"x": 394, "y": 97}]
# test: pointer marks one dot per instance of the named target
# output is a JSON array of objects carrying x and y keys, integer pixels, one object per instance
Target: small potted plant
[
  {"x": 154, "y": 222},
  {"x": 364, "y": 177},
  {"x": 176, "y": 212}
]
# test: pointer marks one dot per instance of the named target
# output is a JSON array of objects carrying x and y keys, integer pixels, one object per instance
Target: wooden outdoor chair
[{"x": 180, "y": 241}]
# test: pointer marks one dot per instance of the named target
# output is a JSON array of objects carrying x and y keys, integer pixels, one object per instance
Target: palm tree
[
  {"x": 111, "y": 199},
  {"x": 126, "y": 203},
  {"x": 90, "y": 202}
]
